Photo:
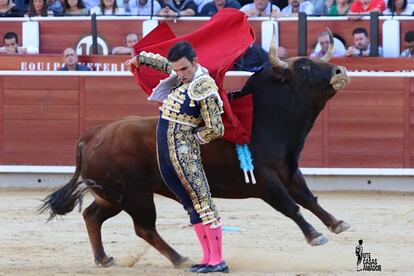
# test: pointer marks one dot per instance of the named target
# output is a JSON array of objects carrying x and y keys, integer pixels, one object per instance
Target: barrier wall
[
  {"x": 116, "y": 63},
  {"x": 367, "y": 125},
  {"x": 113, "y": 29}
]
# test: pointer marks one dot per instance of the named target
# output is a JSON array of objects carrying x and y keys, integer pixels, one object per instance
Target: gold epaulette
[
  {"x": 202, "y": 87},
  {"x": 155, "y": 61}
]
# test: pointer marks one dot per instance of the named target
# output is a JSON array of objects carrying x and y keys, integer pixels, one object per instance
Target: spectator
[
  {"x": 176, "y": 8},
  {"x": 11, "y": 44},
  {"x": 9, "y": 9},
  {"x": 201, "y": 3},
  {"x": 367, "y": 6},
  {"x": 409, "y": 44},
  {"x": 74, "y": 7},
  {"x": 323, "y": 45},
  {"x": 253, "y": 60},
  {"x": 319, "y": 7},
  {"x": 362, "y": 46},
  {"x": 215, "y": 6},
  {"x": 139, "y": 7},
  {"x": 399, "y": 7},
  {"x": 261, "y": 8},
  {"x": 296, "y": 6},
  {"x": 340, "y": 7},
  {"x": 107, "y": 7},
  {"x": 39, "y": 8},
  {"x": 70, "y": 59},
  {"x": 281, "y": 3},
  {"x": 90, "y": 4},
  {"x": 130, "y": 41},
  {"x": 54, "y": 6}
]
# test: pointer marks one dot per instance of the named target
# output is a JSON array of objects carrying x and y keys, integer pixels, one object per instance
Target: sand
[{"x": 262, "y": 241}]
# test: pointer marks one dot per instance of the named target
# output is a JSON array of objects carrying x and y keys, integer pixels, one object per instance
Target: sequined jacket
[{"x": 190, "y": 103}]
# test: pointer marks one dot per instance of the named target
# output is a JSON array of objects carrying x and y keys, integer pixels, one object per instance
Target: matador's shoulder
[{"x": 202, "y": 87}]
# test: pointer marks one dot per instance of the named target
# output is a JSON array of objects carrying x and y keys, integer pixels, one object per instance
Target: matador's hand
[{"x": 131, "y": 63}]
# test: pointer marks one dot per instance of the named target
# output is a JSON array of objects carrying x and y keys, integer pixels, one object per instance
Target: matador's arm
[
  {"x": 205, "y": 91},
  {"x": 154, "y": 61}
]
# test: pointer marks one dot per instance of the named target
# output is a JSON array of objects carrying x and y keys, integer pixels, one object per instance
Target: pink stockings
[{"x": 211, "y": 243}]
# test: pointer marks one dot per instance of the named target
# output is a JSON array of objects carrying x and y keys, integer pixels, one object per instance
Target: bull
[{"x": 117, "y": 161}]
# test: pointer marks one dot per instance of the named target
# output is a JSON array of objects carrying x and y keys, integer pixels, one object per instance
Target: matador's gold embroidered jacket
[{"x": 189, "y": 103}]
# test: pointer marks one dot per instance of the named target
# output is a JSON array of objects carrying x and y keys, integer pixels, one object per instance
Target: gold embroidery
[
  {"x": 179, "y": 118},
  {"x": 155, "y": 61},
  {"x": 171, "y": 108},
  {"x": 172, "y": 105},
  {"x": 185, "y": 156},
  {"x": 210, "y": 112},
  {"x": 202, "y": 87}
]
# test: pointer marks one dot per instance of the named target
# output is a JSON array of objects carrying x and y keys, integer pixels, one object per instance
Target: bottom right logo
[{"x": 365, "y": 261}]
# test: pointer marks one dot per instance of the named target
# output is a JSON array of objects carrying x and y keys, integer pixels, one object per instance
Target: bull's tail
[{"x": 63, "y": 200}]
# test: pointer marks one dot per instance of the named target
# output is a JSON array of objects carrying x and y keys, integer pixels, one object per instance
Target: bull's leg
[
  {"x": 142, "y": 211},
  {"x": 94, "y": 217},
  {"x": 302, "y": 195},
  {"x": 276, "y": 195}
]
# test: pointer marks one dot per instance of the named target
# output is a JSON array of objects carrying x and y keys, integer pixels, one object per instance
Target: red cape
[{"x": 218, "y": 44}]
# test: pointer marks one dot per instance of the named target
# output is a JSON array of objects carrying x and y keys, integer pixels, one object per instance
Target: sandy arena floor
[{"x": 267, "y": 244}]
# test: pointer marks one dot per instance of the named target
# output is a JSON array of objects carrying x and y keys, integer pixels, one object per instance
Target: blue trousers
[{"x": 180, "y": 165}]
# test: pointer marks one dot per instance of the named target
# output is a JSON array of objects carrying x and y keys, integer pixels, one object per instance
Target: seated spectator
[
  {"x": 39, "y": 8},
  {"x": 177, "y": 8},
  {"x": 200, "y": 5},
  {"x": 409, "y": 44},
  {"x": 281, "y": 3},
  {"x": 253, "y": 60},
  {"x": 139, "y": 7},
  {"x": 90, "y": 4},
  {"x": 319, "y": 7},
  {"x": 367, "y": 6},
  {"x": 362, "y": 46},
  {"x": 399, "y": 7},
  {"x": 11, "y": 44},
  {"x": 55, "y": 6},
  {"x": 340, "y": 7},
  {"x": 130, "y": 41},
  {"x": 9, "y": 9},
  {"x": 74, "y": 7},
  {"x": 296, "y": 6},
  {"x": 261, "y": 8},
  {"x": 215, "y": 6},
  {"x": 107, "y": 7},
  {"x": 70, "y": 59},
  {"x": 323, "y": 46}
]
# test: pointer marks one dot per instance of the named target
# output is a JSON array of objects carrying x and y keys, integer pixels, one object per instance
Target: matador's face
[{"x": 185, "y": 69}]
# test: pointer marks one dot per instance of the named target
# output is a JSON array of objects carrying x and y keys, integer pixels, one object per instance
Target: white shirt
[
  {"x": 267, "y": 11},
  {"x": 408, "y": 10},
  {"x": 144, "y": 9},
  {"x": 306, "y": 7},
  {"x": 97, "y": 11}
]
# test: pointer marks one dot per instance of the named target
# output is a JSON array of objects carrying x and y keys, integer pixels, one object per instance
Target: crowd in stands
[
  {"x": 254, "y": 59},
  {"x": 177, "y": 8}
]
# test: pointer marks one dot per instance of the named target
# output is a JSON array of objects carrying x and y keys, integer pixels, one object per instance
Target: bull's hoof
[
  {"x": 316, "y": 239},
  {"x": 106, "y": 261},
  {"x": 339, "y": 227},
  {"x": 183, "y": 262}
]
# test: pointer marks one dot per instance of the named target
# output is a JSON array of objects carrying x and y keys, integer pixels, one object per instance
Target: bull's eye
[{"x": 305, "y": 67}]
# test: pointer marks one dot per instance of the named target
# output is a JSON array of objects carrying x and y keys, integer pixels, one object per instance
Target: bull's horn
[
  {"x": 273, "y": 58},
  {"x": 328, "y": 55}
]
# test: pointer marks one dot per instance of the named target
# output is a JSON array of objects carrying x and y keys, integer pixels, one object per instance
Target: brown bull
[{"x": 117, "y": 161}]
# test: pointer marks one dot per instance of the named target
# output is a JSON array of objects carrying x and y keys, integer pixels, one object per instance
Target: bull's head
[{"x": 313, "y": 74}]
